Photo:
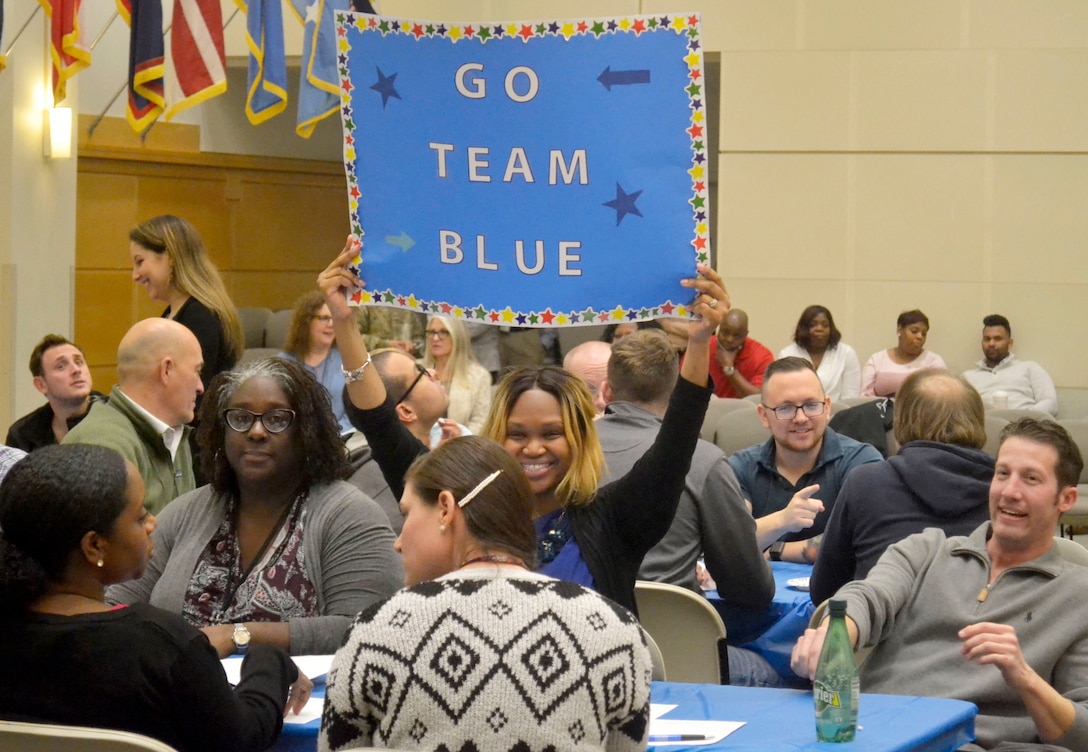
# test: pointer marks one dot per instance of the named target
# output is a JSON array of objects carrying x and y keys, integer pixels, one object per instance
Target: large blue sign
[{"x": 543, "y": 174}]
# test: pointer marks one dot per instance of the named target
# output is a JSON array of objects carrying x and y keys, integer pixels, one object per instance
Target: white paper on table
[
  {"x": 313, "y": 666},
  {"x": 311, "y": 712},
  {"x": 711, "y": 731},
  {"x": 658, "y": 709}
]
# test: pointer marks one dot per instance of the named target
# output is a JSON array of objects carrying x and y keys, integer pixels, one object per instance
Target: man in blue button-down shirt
[{"x": 793, "y": 478}]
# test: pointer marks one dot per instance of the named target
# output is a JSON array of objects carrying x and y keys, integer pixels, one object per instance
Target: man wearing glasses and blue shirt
[{"x": 793, "y": 478}]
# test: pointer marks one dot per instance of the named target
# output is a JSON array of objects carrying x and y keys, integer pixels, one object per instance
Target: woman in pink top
[{"x": 887, "y": 369}]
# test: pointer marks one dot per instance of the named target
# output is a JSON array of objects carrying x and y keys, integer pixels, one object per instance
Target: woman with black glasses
[{"x": 278, "y": 549}]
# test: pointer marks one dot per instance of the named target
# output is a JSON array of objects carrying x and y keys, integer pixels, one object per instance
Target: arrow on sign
[
  {"x": 401, "y": 241},
  {"x": 610, "y": 78}
]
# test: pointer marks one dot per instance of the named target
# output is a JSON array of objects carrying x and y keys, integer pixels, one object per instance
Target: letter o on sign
[{"x": 534, "y": 83}]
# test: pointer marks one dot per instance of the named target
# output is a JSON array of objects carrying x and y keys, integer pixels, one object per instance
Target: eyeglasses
[
  {"x": 422, "y": 372},
  {"x": 789, "y": 412},
  {"x": 323, "y": 319},
  {"x": 440, "y": 333},
  {"x": 274, "y": 421}
]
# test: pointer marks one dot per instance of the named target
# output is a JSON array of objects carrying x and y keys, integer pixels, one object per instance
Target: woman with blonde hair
[
  {"x": 592, "y": 534},
  {"x": 311, "y": 343},
  {"x": 170, "y": 261},
  {"x": 468, "y": 384},
  {"x": 468, "y": 547}
]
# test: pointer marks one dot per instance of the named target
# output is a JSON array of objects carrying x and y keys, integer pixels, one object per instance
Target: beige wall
[
  {"x": 882, "y": 155},
  {"x": 875, "y": 155},
  {"x": 878, "y": 156}
]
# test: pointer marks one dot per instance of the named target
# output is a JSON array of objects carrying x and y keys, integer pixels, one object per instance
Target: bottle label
[{"x": 825, "y": 695}]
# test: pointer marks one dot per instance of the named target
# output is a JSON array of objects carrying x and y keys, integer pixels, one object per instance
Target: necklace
[{"x": 494, "y": 559}]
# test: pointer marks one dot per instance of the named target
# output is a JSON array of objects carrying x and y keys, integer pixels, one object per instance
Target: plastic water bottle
[{"x": 836, "y": 689}]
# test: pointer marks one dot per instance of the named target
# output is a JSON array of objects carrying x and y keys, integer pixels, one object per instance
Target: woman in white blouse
[
  {"x": 449, "y": 353},
  {"x": 818, "y": 340},
  {"x": 887, "y": 369}
]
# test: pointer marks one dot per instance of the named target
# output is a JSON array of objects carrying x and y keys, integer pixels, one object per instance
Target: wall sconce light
[{"x": 57, "y": 132}]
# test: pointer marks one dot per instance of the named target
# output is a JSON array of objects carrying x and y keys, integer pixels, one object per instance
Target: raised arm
[
  {"x": 643, "y": 501},
  {"x": 393, "y": 446},
  {"x": 336, "y": 283}
]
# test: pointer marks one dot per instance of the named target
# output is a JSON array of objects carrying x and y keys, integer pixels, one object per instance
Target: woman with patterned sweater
[{"x": 480, "y": 652}]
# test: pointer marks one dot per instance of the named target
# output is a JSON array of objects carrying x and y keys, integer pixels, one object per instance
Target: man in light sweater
[
  {"x": 1002, "y": 380},
  {"x": 997, "y": 618}
]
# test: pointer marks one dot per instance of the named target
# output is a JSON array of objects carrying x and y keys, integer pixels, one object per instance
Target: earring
[
  {"x": 442, "y": 528},
  {"x": 101, "y": 563}
]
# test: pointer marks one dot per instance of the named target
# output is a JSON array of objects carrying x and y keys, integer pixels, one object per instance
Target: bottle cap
[{"x": 837, "y": 608}]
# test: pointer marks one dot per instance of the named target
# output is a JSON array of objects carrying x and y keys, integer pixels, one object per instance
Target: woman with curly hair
[
  {"x": 74, "y": 522},
  {"x": 278, "y": 549},
  {"x": 588, "y": 533},
  {"x": 312, "y": 344},
  {"x": 818, "y": 340},
  {"x": 169, "y": 260}
]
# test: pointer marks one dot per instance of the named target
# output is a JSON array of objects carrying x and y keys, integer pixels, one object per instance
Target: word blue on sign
[{"x": 537, "y": 174}]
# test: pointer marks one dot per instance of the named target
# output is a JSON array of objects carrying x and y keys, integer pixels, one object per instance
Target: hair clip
[{"x": 479, "y": 487}]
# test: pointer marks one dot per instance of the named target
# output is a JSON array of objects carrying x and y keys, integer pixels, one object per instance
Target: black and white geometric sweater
[{"x": 491, "y": 660}]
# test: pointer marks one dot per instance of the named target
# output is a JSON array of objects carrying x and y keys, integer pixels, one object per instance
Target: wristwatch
[
  {"x": 776, "y": 550},
  {"x": 241, "y": 638},
  {"x": 729, "y": 371}
]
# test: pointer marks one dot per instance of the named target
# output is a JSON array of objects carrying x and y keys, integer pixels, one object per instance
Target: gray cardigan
[{"x": 349, "y": 559}]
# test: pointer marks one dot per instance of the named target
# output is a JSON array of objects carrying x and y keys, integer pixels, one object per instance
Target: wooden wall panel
[{"x": 270, "y": 225}]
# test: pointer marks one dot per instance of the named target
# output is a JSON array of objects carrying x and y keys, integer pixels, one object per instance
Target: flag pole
[
  {"x": 19, "y": 33},
  {"x": 102, "y": 115},
  {"x": 105, "y": 28}
]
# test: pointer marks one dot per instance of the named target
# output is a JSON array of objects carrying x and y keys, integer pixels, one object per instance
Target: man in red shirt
[{"x": 737, "y": 361}]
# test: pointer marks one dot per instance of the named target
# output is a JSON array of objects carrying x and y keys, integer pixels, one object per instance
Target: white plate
[{"x": 798, "y": 583}]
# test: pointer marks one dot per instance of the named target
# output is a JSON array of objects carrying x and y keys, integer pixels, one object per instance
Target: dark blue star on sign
[
  {"x": 385, "y": 87},
  {"x": 624, "y": 204}
]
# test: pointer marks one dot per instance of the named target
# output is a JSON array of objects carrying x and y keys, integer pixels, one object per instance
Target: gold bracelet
[{"x": 356, "y": 374}]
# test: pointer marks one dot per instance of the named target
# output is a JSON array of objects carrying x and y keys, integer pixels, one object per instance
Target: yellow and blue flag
[{"x": 266, "y": 95}]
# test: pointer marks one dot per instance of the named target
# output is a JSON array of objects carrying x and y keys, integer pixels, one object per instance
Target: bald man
[
  {"x": 589, "y": 360},
  {"x": 158, "y": 382},
  {"x": 737, "y": 361}
]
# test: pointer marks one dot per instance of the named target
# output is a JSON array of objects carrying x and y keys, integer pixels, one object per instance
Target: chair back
[
  {"x": 1072, "y": 551},
  {"x": 718, "y": 407},
  {"x": 994, "y": 425},
  {"x": 738, "y": 430},
  {"x": 687, "y": 629},
  {"x": 18, "y": 736},
  {"x": 1078, "y": 431},
  {"x": 253, "y": 321},
  {"x": 657, "y": 660},
  {"x": 1015, "y": 413},
  {"x": 277, "y": 327}
]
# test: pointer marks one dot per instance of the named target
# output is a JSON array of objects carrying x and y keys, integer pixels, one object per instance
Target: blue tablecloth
[
  {"x": 771, "y": 632},
  {"x": 783, "y": 720},
  {"x": 778, "y": 720}
]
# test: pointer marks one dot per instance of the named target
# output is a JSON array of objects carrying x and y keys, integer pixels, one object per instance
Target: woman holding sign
[{"x": 590, "y": 534}]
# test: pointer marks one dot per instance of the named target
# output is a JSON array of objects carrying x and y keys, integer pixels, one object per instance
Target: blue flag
[
  {"x": 267, "y": 91},
  {"x": 319, "y": 79}
]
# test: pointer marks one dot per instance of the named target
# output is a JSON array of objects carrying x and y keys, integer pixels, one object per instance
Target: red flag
[
  {"x": 69, "y": 55},
  {"x": 196, "y": 65}
]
